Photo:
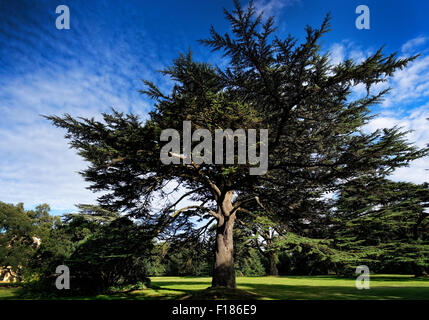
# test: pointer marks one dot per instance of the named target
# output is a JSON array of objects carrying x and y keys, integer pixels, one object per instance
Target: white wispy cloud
[
  {"x": 411, "y": 84},
  {"x": 337, "y": 53},
  {"x": 413, "y": 44},
  {"x": 271, "y": 7},
  {"x": 82, "y": 72},
  {"x": 415, "y": 120},
  {"x": 38, "y": 165}
]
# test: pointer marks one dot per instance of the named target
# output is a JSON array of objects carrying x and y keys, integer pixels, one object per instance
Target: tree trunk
[
  {"x": 272, "y": 260},
  {"x": 419, "y": 271},
  {"x": 223, "y": 270}
]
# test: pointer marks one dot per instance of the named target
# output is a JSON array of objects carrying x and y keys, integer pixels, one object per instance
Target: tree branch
[
  {"x": 176, "y": 213},
  {"x": 216, "y": 191},
  {"x": 182, "y": 197}
]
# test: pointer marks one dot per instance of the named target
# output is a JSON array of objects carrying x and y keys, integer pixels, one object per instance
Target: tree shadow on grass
[
  {"x": 185, "y": 290},
  {"x": 166, "y": 291},
  {"x": 9, "y": 293},
  {"x": 155, "y": 292},
  {"x": 297, "y": 292},
  {"x": 403, "y": 278},
  {"x": 376, "y": 277}
]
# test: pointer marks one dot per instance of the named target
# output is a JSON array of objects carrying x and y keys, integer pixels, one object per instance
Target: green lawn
[{"x": 268, "y": 288}]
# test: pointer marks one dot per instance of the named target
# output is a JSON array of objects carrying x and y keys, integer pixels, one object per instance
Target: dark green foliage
[
  {"x": 385, "y": 223},
  {"x": 112, "y": 257},
  {"x": 187, "y": 262},
  {"x": 155, "y": 263},
  {"x": 20, "y": 232},
  {"x": 187, "y": 257},
  {"x": 250, "y": 263},
  {"x": 102, "y": 250}
]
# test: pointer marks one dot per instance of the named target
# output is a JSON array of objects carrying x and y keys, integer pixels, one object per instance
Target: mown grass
[
  {"x": 9, "y": 290},
  {"x": 270, "y": 288}
]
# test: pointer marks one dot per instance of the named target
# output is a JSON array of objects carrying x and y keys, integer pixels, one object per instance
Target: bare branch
[
  {"x": 214, "y": 214},
  {"x": 204, "y": 228},
  {"x": 242, "y": 210},
  {"x": 237, "y": 205},
  {"x": 114, "y": 161},
  {"x": 213, "y": 186},
  {"x": 182, "y": 197}
]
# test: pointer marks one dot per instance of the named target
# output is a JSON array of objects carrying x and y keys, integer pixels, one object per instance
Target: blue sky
[{"x": 111, "y": 45}]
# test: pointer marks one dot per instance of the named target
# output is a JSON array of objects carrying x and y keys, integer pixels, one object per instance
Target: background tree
[
  {"x": 187, "y": 256},
  {"x": 21, "y": 232},
  {"x": 103, "y": 250},
  {"x": 298, "y": 212},
  {"x": 385, "y": 223},
  {"x": 292, "y": 90}
]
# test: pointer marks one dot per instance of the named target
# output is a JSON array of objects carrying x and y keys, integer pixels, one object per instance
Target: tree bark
[
  {"x": 419, "y": 271},
  {"x": 272, "y": 259},
  {"x": 223, "y": 270}
]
